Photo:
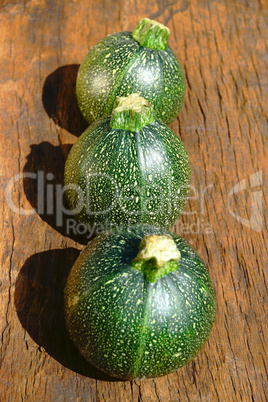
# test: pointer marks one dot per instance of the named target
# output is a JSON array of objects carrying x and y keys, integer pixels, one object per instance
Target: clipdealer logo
[
  {"x": 50, "y": 199},
  {"x": 255, "y": 221}
]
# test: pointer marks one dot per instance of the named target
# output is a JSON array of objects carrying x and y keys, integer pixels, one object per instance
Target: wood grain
[{"x": 223, "y": 49}]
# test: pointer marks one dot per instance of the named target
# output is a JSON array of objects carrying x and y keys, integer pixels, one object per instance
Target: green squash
[
  {"x": 128, "y": 62},
  {"x": 139, "y": 303},
  {"x": 128, "y": 168}
]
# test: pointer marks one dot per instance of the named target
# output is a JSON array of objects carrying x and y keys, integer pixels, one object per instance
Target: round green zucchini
[
  {"x": 139, "y": 303},
  {"x": 128, "y": 168},
  {"x": 128, "y": 62}
]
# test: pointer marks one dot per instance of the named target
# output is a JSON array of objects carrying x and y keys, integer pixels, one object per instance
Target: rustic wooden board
[{"x": 223, "y": 48}]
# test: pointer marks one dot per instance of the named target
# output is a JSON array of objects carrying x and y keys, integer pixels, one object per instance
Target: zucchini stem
[
  {"x": 151, "y": 34},
  {"x": 158, "y": 256},
  {"x": 132, "y": 113}
]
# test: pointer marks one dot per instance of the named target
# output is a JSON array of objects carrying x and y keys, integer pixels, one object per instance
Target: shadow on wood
[
  {"x": 168, "y": 6},
  {"x": 43, "y": 187},
  {"x": 39, "y": 304},
  {"x": 59, "y": 99}
]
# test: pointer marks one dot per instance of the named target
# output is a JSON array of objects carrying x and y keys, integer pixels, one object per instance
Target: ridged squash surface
[
  {"x": 128, "y": 177},
  {"x": 119, "y": 66},
  {"x": 128, "y": 327}
]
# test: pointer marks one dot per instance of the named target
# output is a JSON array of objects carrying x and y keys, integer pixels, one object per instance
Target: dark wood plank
[{"x": 223, "y": 48}]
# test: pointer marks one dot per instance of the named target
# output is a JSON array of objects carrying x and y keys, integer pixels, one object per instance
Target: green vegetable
[
  {"x": 128, "y": 168},
  {"x": 126, "y": 62},
  {"x": 139, "y": 303}
]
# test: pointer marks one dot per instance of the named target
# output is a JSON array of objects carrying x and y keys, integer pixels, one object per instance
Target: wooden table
[{"x": 221, "y": 45}]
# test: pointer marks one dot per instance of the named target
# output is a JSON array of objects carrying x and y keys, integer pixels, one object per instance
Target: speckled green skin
[
  {"x": 128, "y": 327},
  {"x": 119, "y": 66},
  {"x": 128, "y": 178}
]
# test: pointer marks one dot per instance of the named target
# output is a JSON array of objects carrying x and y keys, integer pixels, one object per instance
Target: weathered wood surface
[{"x": 223, "y": 48}]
